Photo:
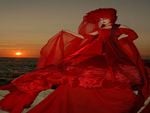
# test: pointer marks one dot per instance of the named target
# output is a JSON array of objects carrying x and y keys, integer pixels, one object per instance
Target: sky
[{"x": 26, "y": 25}]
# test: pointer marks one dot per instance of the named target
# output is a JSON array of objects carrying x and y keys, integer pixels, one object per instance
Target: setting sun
[{"x": 18, "y": 53}]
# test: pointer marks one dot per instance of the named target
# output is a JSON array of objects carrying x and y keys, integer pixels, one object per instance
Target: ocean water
[{"x": 11, "y": 68}]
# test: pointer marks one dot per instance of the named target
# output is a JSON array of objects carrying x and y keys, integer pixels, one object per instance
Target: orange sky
[{"x": 26, "y": 25}]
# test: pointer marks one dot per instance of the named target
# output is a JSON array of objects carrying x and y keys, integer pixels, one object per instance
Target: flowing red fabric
[
  {"x": 98, "y": 63},
  {"x": 57, "y": 48},
  {"x": 95, "y": 74}
]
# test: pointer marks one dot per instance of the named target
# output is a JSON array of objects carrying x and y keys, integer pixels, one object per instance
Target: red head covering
[
  {"x": 91, "y": 19},
  {"x": 95, "y": 15}
]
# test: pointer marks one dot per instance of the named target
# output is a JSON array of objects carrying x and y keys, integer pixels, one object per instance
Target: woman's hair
[{"x": 95, "y": 15}]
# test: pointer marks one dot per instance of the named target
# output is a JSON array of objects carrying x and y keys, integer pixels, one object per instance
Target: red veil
[
  {"x": 64, "y": 45},
  {"x": 68, "y": 48}
]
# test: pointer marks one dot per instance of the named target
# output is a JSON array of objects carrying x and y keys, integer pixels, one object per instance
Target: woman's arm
[
  {"x": 127, "y": 33},
  {"x": 125, "y": 39},
  {"x": 93, "y": 33},
  {"x": 125, "y": 42}
]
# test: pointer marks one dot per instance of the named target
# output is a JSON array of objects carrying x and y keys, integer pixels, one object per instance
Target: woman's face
[{"x": 104, "y": 22}]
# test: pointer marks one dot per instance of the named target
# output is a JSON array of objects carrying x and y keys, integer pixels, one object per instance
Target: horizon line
[{"x": 36, "y": 57}]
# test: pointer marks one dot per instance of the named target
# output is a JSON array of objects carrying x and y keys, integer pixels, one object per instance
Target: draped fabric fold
[{"x": 99, "y": 72}]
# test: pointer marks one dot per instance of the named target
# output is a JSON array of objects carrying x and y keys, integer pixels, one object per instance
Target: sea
[{"x": 10, "y": 68}]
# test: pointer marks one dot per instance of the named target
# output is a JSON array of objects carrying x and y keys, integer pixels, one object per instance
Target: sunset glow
[
  {"x": 18, "y": 53},
  {"x": 27, "y": 26}
]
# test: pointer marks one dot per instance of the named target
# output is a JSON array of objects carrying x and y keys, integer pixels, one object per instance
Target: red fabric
[
  {"x": 97, "y": 62},
  {"x": 86, "y": 27},
  {"x": 16, "y": 101},
  {"x": 57, "y": 48},
  {"x": 68, "y": 99},
  {"x": 94, "y": 16},
  {"x": 95, "y": 74}
]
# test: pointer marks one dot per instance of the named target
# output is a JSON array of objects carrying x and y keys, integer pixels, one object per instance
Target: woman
[{"x": 98, "y": 71}]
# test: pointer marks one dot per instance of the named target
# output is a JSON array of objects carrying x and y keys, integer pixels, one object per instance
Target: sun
[{"x": 18, "y": 53}]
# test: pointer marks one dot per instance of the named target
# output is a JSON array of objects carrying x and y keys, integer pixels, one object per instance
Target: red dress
[{"x": 95, "y": 75}]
